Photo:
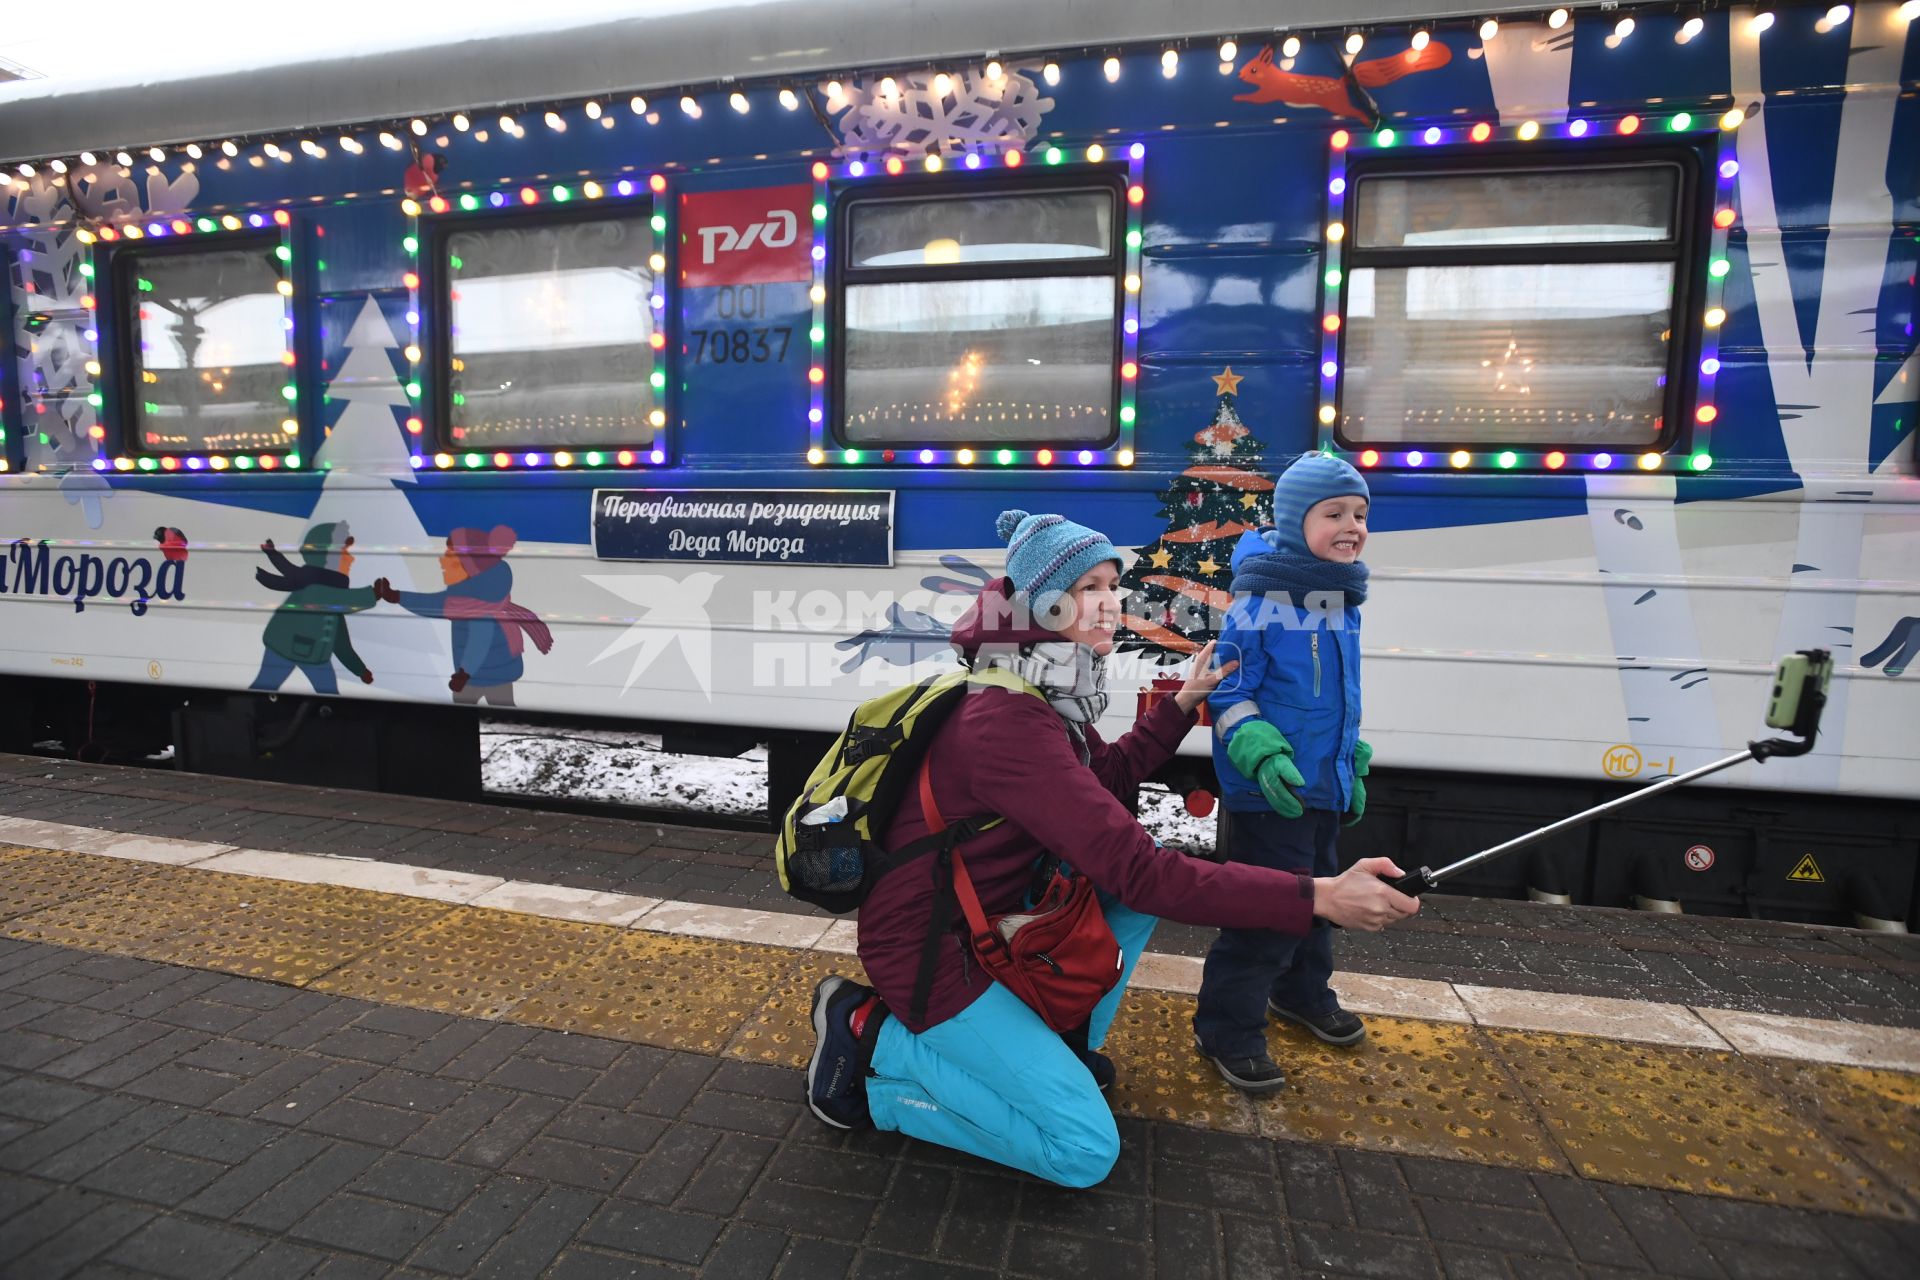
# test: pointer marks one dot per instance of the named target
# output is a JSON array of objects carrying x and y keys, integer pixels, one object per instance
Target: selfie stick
[{"x": 1799, "y": 696}]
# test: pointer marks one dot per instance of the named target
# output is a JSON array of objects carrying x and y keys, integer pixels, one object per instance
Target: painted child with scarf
[
  {"x": 490, "y": 631},
  {"x": 1288, "y": 752},
  {"x": 309, "y": 629},
  {"x": 964, "y": 1062}
]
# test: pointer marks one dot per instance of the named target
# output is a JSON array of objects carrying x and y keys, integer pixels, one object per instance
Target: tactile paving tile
[
  {"x": 1874, "y": 1113},
  {"x": 34, "y": 879},
  {"x": 662, "y": 989},
  {"x": 1681, "y": 1120},
  {"x": 289, "y": 932},
  {"x": 781, "y": 1033},
  {"x": 474, "y": 962},
  {"x": 167, "y": 903},
  {"x": 1413, "y": 1088},
  {"x": 1159, "y": 1074}
]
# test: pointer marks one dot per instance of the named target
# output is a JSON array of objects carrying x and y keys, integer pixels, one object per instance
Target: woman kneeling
[{"x": 967, "y": 1064}]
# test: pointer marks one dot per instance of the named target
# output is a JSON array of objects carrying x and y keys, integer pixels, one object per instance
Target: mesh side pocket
[{"x": 836, "y": 869}]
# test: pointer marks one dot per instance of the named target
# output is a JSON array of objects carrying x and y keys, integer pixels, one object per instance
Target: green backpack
[{"x": 829, "y": 850}]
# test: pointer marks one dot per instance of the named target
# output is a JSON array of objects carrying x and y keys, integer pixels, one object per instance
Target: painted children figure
[
  {"x": 1288, "y": 752},
  {"x": 489, "y": 629},
  {"x": 309, "y": 629}
]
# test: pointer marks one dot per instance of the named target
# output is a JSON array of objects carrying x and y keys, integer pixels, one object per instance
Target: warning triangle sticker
[{"x": 1807, "y": 871}]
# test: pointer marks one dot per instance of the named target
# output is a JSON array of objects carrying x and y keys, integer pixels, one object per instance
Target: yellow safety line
[{"x": 1790, "y": 1133}]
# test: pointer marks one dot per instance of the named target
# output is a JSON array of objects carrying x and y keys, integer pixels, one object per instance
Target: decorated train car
[{"x": 671, "y": 373}]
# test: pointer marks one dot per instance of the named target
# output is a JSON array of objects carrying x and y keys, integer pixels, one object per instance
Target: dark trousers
[{"x": 1246, "y": 966}]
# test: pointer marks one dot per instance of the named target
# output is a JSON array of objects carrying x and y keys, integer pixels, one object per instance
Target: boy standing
[{"x": 1288, "y": 752}]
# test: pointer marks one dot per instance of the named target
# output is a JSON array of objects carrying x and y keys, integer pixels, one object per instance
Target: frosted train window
[
  {"x": 548, "y": 327},
  {"x": 976, "y": 314},
  {"x": 206, "y": 340},
  {"x": 1522, "y": 305}
]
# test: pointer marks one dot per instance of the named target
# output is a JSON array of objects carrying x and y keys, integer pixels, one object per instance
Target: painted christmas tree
[
  {"x": 367, "y": 438},
  {"x": 1180, "y": 585},
  {"x": 367, "y": 461}
]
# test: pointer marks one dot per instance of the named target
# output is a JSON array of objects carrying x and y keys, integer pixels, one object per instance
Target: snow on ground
[{"x": 618, "y": 767}]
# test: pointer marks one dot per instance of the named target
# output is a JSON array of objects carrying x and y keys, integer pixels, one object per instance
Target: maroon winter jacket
[{"x": 1009, "y": 753}]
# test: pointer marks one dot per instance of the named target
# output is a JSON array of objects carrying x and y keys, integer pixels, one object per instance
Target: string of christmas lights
[
  {"x": 822, "y": 449},
  {"x": 558, "y": 116},
  {"x": 518, "y": 195},
  {"x": 600, "y": 110},
  {"x": 1344, "y": 142},
  {"x": 109, "y": 239}
]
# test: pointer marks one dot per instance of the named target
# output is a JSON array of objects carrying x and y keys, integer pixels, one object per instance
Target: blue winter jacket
[
  {"x": 479, "y": 644},
  {"x": 1300, "y": 675}
]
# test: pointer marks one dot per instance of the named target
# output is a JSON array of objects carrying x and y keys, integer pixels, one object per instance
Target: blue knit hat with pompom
[{"x": 1047, "y": 554}]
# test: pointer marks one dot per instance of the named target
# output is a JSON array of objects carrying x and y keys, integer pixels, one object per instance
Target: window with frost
[
  {"x": 205, "y": 339},
  {"x": 1522, "y": 303},
  {"x": 547, "y": 326},
  {"x": 973, "y": 313}
]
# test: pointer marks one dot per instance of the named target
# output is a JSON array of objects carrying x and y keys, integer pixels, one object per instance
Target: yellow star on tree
[
  {"x": 1249, "y": 500},
  {"x": 1161, "y": 558},
  {"x": 1227, "y": 383},
  {"x": 1209, "y": 566}
]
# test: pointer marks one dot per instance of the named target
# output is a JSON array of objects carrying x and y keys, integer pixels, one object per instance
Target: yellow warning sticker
[{"x": 1807, "y": 871}]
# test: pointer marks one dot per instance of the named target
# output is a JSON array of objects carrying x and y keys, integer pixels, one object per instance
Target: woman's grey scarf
[{"x": 1072, "y": 676}]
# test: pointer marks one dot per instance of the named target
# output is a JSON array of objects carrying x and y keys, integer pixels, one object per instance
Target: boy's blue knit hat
[
  {"x": 1047, "y": 554},
  {"x": 1313, "y": 477}
]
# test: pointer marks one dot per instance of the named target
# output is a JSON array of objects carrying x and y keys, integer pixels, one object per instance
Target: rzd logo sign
[
  {"x": 746, "y": 237},
  {"x": 777, "y": 232}
]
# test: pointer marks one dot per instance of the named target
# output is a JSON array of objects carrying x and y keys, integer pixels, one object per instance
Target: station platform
[{"x": 255, "y": 1029}]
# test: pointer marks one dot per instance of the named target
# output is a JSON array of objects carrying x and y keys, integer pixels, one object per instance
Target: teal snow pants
[{"x": 996, "y": 1081}]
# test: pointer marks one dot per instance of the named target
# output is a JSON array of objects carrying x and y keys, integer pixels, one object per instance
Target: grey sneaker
[
  {"x": 1336, "y": 1028},
  {"x": 1258, "y": 1074}
]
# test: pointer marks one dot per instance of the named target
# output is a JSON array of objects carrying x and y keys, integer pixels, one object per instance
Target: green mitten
[
  {"x": 1362, "y": 763},
  {"x": 1261, "y": 752},
  {"x": 1276, "y": 777}
]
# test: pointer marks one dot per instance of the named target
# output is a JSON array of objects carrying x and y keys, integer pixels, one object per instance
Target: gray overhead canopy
[{"x": 752, "y": 40}]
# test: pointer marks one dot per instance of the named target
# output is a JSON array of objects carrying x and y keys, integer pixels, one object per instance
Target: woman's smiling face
[{"x": 1094, "y": 599}]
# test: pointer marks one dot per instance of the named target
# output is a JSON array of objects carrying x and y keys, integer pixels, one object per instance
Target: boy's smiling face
[{"x": 1336, "y": 528}]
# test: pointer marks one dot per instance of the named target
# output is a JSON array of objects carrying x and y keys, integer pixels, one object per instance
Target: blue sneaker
[{"x": 837, "y": 1073}]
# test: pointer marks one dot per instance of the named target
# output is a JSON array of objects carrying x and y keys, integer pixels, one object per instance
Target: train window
[
  {"x": 206, "y": 346},
  {"x": 1518, "y": 305},
  {"x": 986, "y": 315},
  {"x": 548, "y": 326}
]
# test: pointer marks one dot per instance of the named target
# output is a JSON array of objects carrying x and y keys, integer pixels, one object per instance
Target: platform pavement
[
  {"x": 1762, "y": 966},
  {"x": 163, "y": 1120},
  {"x": 405, "y": 1129}
]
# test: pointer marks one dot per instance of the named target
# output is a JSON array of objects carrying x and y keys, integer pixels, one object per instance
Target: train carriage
[{"x": 672, "y": 371}]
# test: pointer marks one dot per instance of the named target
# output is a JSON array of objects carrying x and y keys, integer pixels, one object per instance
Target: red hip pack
[{"x": 1059, "y": 957}]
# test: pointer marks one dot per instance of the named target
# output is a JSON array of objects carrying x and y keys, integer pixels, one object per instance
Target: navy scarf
[
  {"x": 1295, "y": 576},
  {"x": 296, "y": 577}
]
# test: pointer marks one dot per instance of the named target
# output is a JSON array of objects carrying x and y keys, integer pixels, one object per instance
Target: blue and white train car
[{"x": 673, "y": 371}]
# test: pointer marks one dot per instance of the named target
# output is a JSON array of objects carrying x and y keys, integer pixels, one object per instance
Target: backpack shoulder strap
[
  {"x": 941, "y": 840},
  {"x": 952, "y": 888},
  {"x": 1000, "y": 678}
]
